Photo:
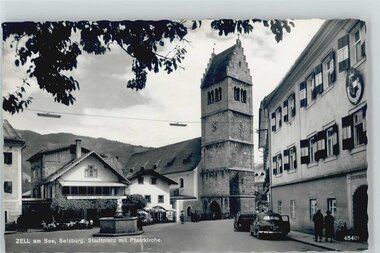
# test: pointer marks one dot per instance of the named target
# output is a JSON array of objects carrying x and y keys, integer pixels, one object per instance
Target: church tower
[{"x": 227, "y": 180}]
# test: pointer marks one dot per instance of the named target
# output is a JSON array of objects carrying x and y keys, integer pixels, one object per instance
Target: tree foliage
[
  {"x": 133, "y": 203},
  {"x": 49, "y": 50}
]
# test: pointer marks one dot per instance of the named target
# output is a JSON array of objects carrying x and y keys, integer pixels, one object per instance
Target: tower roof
[
  {"x": 217, "y": 70},
  {"x": 10, "y": 134}
]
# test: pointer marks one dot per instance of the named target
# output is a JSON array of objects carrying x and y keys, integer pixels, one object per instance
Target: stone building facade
[
  {"x": 226, "y": 171},
  {"x": 316, "y": 137}
]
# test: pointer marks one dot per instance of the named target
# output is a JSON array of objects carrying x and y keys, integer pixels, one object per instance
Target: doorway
[
  {"x": 360, "y": 203},
  {"x": 216, "y": 213}
]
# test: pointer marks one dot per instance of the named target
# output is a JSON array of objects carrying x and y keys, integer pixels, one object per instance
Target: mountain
[{"x": 36, "y": 142}]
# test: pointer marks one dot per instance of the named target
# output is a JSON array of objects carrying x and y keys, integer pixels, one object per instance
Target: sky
[{"x": 174, "y": 97}]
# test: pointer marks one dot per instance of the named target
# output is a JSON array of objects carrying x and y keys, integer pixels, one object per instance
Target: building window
[
  {"x": 311, "y": 91},
  {"x": 357, "y": 42},
  {"x": 312, "y": 149},
  {"x": 278, "y": 118},
  {"x": 279, "y": 206},
  {"x": 292, "y": 158},
  {"x": 181, "y": 183},
  {"x": 243, "y": 96},
  {"x": 331, "y": 206},
  {"x": 313, "y": 208},
  {"x": 237, "y": 94},
  {"x": 8, "y": 187},
  {"x": 329, "y": 74},
  {"x": 148, "y": 198},
  {"x": 330, "y": 141},
  {"x": 91, "y": 172},
  {"x": 140, "y": 180},
  {"x": 6, "y": 216},
  {"x": 153, "y": 180},
  {"x": 98, "y": 191},
  {"x": 90, "y": 190},
  {"x": 293, "y": 209},
  {"x": 74, "y": 190},
  {"x": 292, "y": 106},
  {"x": 277, "y": 164},
  {"x": 358, "y": 128},
  {"x": 160, "y": 198},
  {"x": 7, "y": 157},
  {"x": 65, "y": 190}
]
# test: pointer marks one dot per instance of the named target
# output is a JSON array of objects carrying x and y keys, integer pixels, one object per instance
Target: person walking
[
  {"x": 318, "y": 225},
  {"x": 182, "y": 217},
  {"x": 329, "y": 226}
]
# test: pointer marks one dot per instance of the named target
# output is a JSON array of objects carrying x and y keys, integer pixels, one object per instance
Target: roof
[
  {"x": 217, "y": 70},
  {"x": 72, "y": 147},
  {"x": 152, "y": 173},
  {"x": 10, "y": 134},
  {"x": 76, "y": 161},
  {"x": 174, "y": 158}
]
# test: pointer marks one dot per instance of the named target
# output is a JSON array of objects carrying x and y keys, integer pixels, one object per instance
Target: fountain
[{"x": 119, "y": 225}]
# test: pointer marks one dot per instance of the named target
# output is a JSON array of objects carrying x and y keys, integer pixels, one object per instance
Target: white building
[
  {"x": 314, "y": 133},
  {"x": 12, "y": 173}
]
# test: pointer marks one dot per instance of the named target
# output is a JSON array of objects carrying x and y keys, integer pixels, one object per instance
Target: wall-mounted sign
[{"x": 354, "y": 86}]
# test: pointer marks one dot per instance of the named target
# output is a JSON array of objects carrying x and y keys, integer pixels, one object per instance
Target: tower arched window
[
  {"x": 208, "y": 98},
  {"x": 220, "y": 93},
  {"x": 238, "y": 94},
  {"x": 216, "y": 95},
  {"x": 212, "y": 96},
  {"x": 235, "y": 95},
  {"x": 181, "y": 182},
  {"x": 244, "y": 96}
]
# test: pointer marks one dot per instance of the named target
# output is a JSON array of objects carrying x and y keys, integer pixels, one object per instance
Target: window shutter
[
  {"x": 335, "y": 140},
  {"x": 363, "y": 135},
  {"x": 294, "y": 104},
  {"x": 332, "y": 75},
  {"x": 318, "y": 78},
  {"x": 295, "y": 157},
  {"x": 286, "y": 159},
  {"x": 274, "y": 165},
  {"x": 314, "y": 90},
  {"x": 280, "y": 112},
  {"x": 305, "y": 159},
  {"x": 343, "y": 53},
  {"x": 286, "y": 111},
  {"x": 347, "y": 132},
  {"x": 302, "y": 93},
  {"x": 273, "y": 121}
]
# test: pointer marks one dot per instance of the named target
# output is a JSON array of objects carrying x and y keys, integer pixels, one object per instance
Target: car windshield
[{"x": 271, "y": 217}]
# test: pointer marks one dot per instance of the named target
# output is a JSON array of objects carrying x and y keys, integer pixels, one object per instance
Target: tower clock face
[
  {"x": 354, "y": 86},
  {"x": 214, "y": 125}
]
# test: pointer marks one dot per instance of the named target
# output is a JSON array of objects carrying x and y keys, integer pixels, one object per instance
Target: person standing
[
  {"x": 329, "y": 226},
  {"x": 182, "y": 217},
  {"x": 318, "y": 225}
]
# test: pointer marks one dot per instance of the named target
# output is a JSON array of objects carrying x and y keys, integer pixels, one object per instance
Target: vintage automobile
[
  {"x": 242, "y": 221},
  {"x": 270, "y": 224}
]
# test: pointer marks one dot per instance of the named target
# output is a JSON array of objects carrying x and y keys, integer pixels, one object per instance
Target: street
[{"x": 204, "y": 236}]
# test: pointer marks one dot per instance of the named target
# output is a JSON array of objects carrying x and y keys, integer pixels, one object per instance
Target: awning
[{"x": 87, "y": 183}]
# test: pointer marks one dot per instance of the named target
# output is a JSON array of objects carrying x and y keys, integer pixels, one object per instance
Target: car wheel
[{"x": 258, "y": 234}]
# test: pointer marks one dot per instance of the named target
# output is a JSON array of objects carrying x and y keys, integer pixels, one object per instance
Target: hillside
[{"x": 35, "y": 142}]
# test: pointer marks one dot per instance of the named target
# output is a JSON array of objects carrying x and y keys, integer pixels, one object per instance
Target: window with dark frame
[
  {"x": 331, "y": 206},
  {"x": 8, "y": 187},
  {"x": 153, "y": 180},
  {"x": 148, "y": 198},
  {"x": 140, "y": 180},
  {"x": 311, "y": 91},
  {"x": 312, "y": 149},
  {"x": 313, "y": 208},
  {"x": 65, "y": 190},
  {"x": 91, "y": 172},
  {"x": 293, "y": 209},
  {"x": 8, "y": 158},
  {"x": 357, "y": 42},
  {"x": 160, "y": 198},
  {"x": 330, "y": 140}
]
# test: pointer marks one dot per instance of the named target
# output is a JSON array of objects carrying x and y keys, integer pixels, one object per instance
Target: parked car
[
  {"x": 270, "y": 224},
  {"x": 242, "y": 221}
]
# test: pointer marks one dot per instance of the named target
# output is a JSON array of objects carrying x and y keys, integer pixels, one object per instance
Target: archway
[
  {"x": 215, "y": 211},
  {"x": 188, "y": 211},
  {"x": 359, "y": 204}
]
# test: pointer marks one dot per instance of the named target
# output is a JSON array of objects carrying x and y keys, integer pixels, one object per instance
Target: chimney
[{"x": 78, "y": 150}]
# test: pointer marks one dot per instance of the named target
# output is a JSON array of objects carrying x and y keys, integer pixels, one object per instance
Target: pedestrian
[
  {"x": 182, "y": 217},
  {"x": 329, "y": 226},
  {"x": 318, "y": 225}
]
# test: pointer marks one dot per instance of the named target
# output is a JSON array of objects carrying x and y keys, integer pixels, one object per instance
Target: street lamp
[{"x": 177, "y": 124}]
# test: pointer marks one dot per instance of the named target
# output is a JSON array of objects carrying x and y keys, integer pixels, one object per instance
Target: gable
[{"x": 104, "y": 172}]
